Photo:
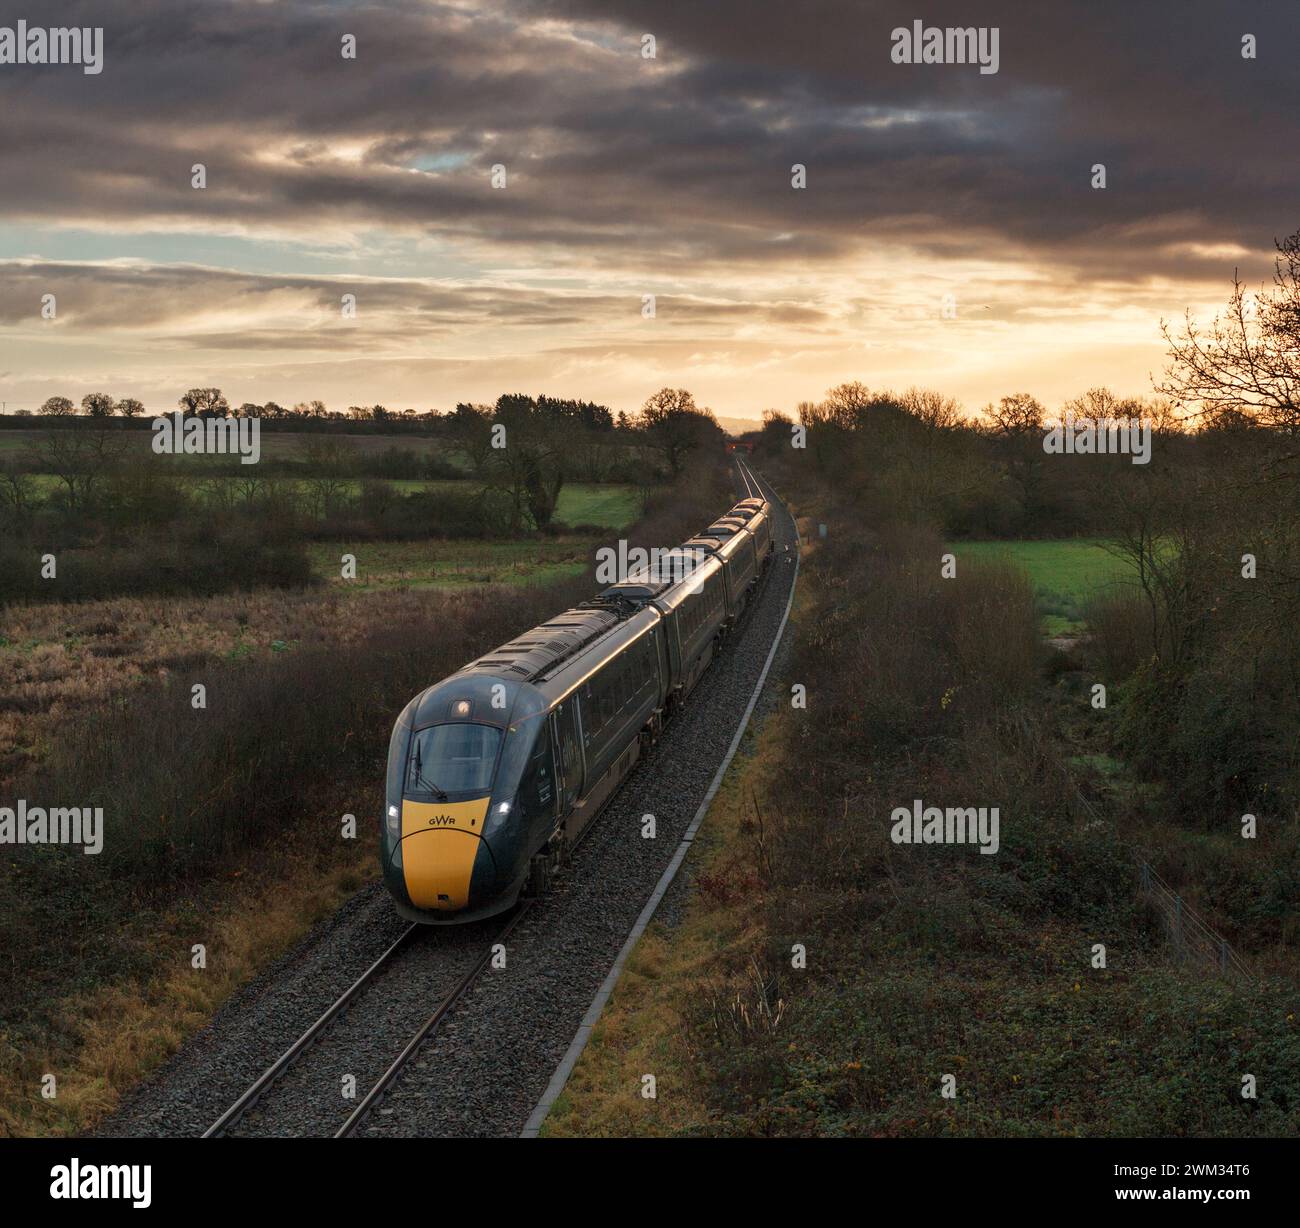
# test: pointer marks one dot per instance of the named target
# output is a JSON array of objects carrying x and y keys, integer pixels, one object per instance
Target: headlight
[
  {"x": 503, "y": 809},
  {"x": 394, "y": 823}
]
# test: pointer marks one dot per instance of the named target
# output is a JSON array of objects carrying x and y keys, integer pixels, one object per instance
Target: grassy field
[
  {"x": 276, "y": 445},
  {"x": 609, "y": 506},
  {"x": 1065, "y": 573},
  {"x": 442, "y": 564}
]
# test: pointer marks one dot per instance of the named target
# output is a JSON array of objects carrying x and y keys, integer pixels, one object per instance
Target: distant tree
[
  {"x": 272, "y": 410},
  {"x": 97, "y": 404},
  {"x": 249, "y": 410},
  {"x": 1099, "y": 404},
  {"x": 326, "y": 462},
  {"x": 1018, "y": 414},
  {"x": 205, "y": 402},
  {"x": 845, "y": 405},
  {"x": 470, "y": 427},
  {"x": 532, "y": 466},
  {"x": 129, "y": 407},
  {"x": 776, "y": 432},
  {"x": 56, "y": 407},
  {"x": 80, "y": 459},
  {"x": 1017, "y": 423},
  {"x": 934, "y": 410},
  {"x": 17, "y": 493},
  {"x": 673, "y": 424}
]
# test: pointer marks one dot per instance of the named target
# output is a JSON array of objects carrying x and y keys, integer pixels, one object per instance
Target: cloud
[{"x": 627, "y": 176}]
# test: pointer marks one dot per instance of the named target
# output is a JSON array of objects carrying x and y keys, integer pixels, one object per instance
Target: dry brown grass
[
  {"x": 113, "y": 1036},
  {"x": 59, "y": 659}
]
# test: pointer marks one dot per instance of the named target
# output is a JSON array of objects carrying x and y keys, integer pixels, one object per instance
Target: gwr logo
[{"x": 442, "y": 820}]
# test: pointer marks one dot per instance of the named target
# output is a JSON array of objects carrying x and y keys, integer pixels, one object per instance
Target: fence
[{"x": 1192, "y": 939}]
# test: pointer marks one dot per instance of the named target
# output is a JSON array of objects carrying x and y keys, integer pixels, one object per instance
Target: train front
[{"x": 454, "y": 846}]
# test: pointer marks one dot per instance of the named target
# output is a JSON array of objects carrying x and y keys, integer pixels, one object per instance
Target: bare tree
[
  {"x": 327, "y": 478},
  {"x": 846, "y": 405},
  {"x": 17, "y": 493},
  {"x": 56, "y": 407},
  {"x": 1018, "y": 414},
  {"x": 80, "y": 459},
  {"x": 934, "y": 410},
  {"x": 1247, "y": 362}
]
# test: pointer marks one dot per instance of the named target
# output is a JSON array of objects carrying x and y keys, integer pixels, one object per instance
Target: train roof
[
  {"x": 711, "y": 544},
  {"x": 729, "y": 546},
  {"x": 574, "y": 669},
  {"x": 536, "y": 653},
  {"x": 683, "y": 583},
  {"x": 535, "y": 668},
  {"x": 666, "y": 570}
]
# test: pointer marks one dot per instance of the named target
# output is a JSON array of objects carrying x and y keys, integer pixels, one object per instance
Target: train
[{"x": 495, "y": 772}]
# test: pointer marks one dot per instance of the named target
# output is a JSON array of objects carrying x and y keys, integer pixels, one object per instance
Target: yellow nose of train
[{"x": 440, "y": 843}]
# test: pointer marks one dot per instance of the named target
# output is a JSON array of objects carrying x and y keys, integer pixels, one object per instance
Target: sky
[{"x": 949, "y": 234}]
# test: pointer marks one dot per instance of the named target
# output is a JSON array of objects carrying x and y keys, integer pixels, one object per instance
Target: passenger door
[{"x": 568, "y": 754}]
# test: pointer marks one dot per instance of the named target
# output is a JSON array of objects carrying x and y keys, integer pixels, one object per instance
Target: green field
[
  {"x": 275, "y": 445},
  {"x": 450, "y": 564},
  {"x": 608, "y": 506},
  {"x": 1065, "y": 573}
]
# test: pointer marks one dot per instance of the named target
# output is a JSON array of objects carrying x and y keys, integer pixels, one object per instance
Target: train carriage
[{"x": 494, "y": 772}]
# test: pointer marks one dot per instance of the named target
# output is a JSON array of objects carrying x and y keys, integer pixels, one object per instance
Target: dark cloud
[{"x": 683, "y": 161}]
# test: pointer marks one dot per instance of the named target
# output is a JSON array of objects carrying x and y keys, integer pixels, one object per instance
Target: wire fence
[{"x": 1192, "y": 939}]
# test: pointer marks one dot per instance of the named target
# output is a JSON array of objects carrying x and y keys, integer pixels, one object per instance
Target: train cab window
[{"x": 452, "y": 759}]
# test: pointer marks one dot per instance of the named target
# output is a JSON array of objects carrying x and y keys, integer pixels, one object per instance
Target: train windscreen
[{"x": 452, "y": 759}]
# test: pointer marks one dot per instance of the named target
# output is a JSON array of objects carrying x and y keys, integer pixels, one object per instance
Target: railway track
[
  {"x": 272, "y": 1102},
  {"x": 273, "y": 1073},
  {"x": 268, "y": 1080}
]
